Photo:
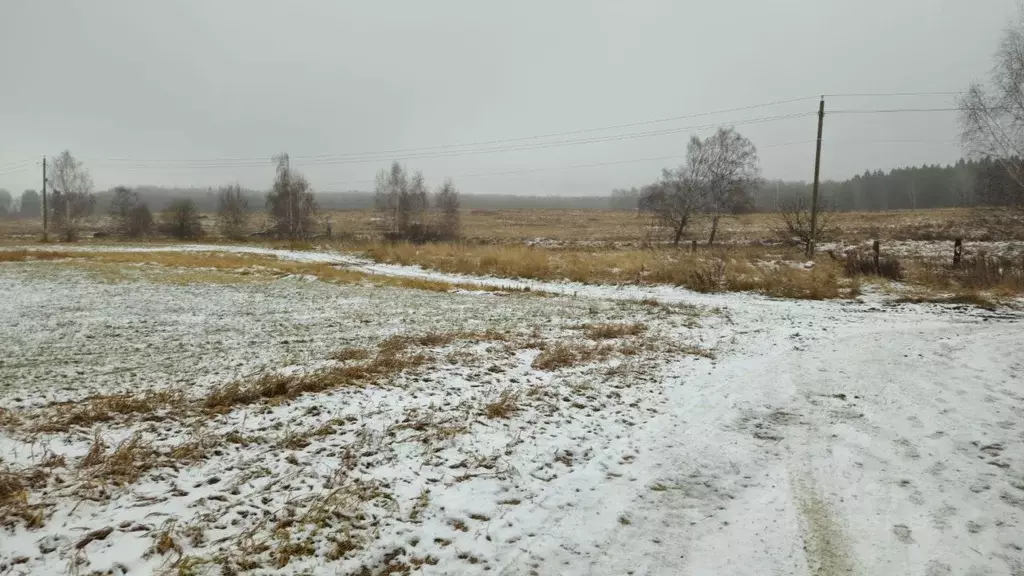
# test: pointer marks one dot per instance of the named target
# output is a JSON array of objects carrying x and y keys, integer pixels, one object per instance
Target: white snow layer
[{"x": 825, "y": 438}]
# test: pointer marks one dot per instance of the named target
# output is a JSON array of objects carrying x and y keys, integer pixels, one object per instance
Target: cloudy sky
[{"x": 204, "y": 92}]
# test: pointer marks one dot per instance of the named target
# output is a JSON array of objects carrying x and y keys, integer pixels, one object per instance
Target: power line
[
  {"x": 889, "y": 94},
  {"x": 893, "y": 110},
  {"x": 492, "y": 150},
  {"x": 10, "y": 171},
  {"x": 498, "y": 141},
  {"x": 571, "y": 167}
]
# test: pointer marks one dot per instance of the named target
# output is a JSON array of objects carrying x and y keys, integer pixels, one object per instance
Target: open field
[
  {"x": 216, "y": 409},
  {"x": 560, "y": 227},
  {"x": 751, "y": 255}
]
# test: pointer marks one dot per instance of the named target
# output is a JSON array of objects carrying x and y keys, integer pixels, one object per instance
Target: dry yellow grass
[
  {"x": 607, "y": 331},
  {"x": 504, "y": 406},
  {"x": 768, "y": 271},
  {"x": 614, "y": 226},
  {"x": 23, "y": 255},
  {"x": 220, "y": 267}
]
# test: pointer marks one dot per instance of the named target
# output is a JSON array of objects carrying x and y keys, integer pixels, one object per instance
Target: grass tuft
[
  {"x": 504, "y": 406},
  {"x": 609, "y": 331}
]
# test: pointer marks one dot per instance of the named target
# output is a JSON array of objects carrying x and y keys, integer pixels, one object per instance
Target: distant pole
[
  {"x": 46, "y": 236},
  {"x": 814, "y": 193}
]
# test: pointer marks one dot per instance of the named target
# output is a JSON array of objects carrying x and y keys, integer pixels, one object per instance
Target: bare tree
[
  {"x": 671, "y": 202},
  {"x": 418, "y": 204},
  {"x": 795, "y": 219},
  {"x": 392, "y": 199},
  {"x": 725, "y": 168},
  {"x": 992, "y": 117},
  {"x": 181, "y": 220},
  {"x": 231, "y": 210},
  {"x": 291, "y": 203},
  {"x": 72, "y": 199},
  {"x": 446, "y": 202},
  {"x": 6, "y": 203},
  {"x": 131, "y": 216}
]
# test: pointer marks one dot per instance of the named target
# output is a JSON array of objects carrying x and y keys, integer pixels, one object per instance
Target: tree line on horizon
[
  {"x": 967, "y": 183},
  {"x": 408, "y": 210}
]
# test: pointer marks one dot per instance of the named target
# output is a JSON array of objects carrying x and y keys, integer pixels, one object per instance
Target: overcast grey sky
[{"x": 145, "y": 92}]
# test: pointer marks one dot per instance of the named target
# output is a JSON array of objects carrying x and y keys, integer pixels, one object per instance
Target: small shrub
[
  {"x": 861, "y": 264},
  {"x": 984, "y": 272},
  {"x": 181, "y": 220}
]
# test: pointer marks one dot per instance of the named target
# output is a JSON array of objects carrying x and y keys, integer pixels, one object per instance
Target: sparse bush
[
  {"x": 861, "y": 264},
  {"x": 795, "y": 220},
  {"x": 181, "y": 220},
  {"x": 130, "y": 215},
  {"x": 980, "y": 272},
  {"x": 706, "y": 276}
]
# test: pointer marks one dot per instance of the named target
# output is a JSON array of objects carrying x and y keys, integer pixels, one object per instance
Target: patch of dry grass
[
  {"x": 753, "y": 269},
  {"x": 1002, "y": 276},
  {"x": 507, "y": 404},
  {"x": 349, "y": 354},
  {"x": 15, "y": 507},
  {"x": 566, "y": 354},
  {"x": 609, "y": 331},
  {"x": 29, "y": 255},
  {"x": 124, "y": 465},
  {"x": 89, "y": 411},
  {"x": 189, "y": 267}
]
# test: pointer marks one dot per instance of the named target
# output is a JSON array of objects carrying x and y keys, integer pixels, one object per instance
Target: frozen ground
[{"x": 822, "y": 438}]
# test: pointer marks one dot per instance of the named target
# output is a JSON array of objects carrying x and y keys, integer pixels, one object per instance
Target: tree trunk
[
  {"x": 678, "y": 236},
  {"x": 714, "y": 230}
]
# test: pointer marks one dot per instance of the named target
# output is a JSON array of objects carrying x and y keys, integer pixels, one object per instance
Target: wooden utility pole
[
  {"x": 814, "y": 193},
  {"x": 46, "y": 237}
]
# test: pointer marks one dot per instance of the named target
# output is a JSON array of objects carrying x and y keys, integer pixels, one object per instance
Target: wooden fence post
[
  {"x": 876, "y": 247},
  {"x": 693, "y": 246},
  {"x": 958, "y": 251}
]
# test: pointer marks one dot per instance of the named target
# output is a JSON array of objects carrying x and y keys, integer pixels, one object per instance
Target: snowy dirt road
[
  {"x": 824, "y": 438},
  {"x": 832, "y": 443}
]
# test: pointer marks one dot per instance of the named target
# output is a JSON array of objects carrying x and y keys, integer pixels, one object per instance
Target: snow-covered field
[{"x": 571, "y": 430}]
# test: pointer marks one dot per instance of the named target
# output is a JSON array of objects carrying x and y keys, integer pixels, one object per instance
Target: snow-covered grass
[
  {"x": 287, "y": 423},
  {"x": 440, "y": 423}
]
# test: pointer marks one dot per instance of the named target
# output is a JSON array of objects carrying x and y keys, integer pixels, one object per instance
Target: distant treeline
[
  {"x": 206, "y": 200},
  {"x": 966, "y": 183}
]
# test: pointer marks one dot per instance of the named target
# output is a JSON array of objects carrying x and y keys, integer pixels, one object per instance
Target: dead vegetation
[
  {"x": 357, "y": 367},
  {"x": 1003, "y": 276},
  {"x": 29, "y": 255},
  {"x": 964, "y": 299},
  {"x": 769, "y": 271},
  {"x": 15, "y": 492},
  {"x": 862, "y": 264},
  {"x": 507, "y": 404},
  {"x": 609, "y": 331},
  {"x": 567, "y": 354}
]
